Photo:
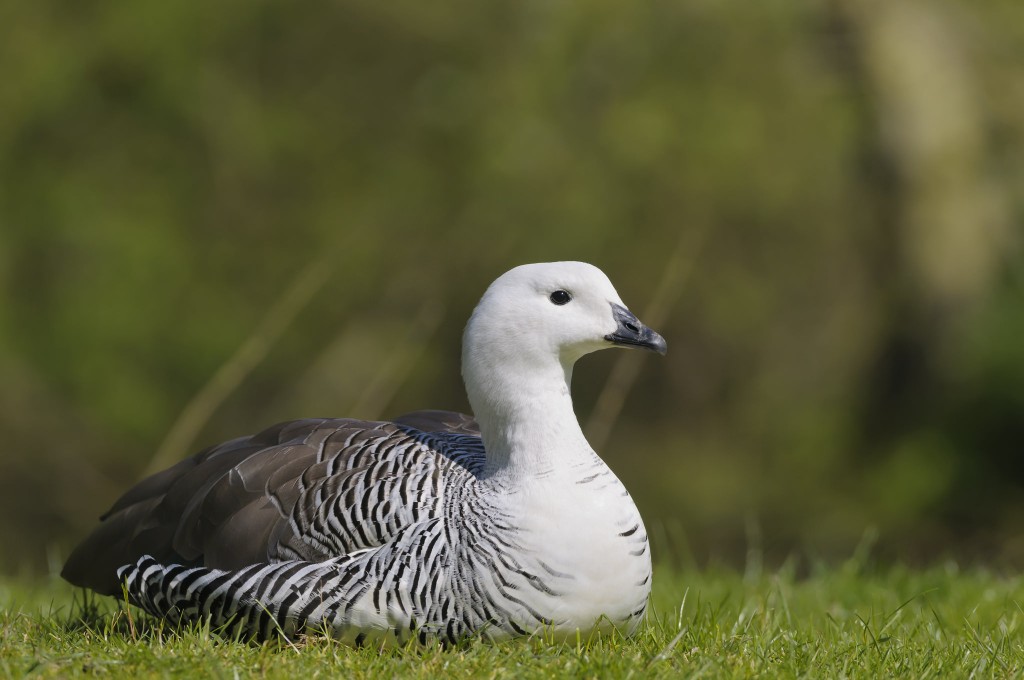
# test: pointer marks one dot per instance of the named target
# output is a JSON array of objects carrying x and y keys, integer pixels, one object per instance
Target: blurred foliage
[{"x": 844, "y": 179}]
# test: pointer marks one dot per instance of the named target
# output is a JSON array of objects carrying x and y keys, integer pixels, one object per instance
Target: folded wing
[{"x": 306, "y": 490}]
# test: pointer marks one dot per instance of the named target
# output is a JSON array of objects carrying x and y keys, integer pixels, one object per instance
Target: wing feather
[{"x": 308, "y": 489}]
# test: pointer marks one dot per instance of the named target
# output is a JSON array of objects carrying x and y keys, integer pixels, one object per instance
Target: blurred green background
[{"x": 215, "y": 216}]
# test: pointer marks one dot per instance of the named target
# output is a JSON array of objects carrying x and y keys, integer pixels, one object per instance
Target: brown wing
[{"x": 233, "y": 504}]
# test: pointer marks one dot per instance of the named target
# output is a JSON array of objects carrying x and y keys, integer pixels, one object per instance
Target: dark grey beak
[{"x": 632, "y": 333}]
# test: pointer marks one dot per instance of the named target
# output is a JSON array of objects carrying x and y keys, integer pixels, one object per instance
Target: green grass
[{"x": 842, "y": 622}]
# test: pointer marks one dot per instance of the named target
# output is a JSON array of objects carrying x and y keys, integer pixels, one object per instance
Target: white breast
[{"x": 587, "y": 527}]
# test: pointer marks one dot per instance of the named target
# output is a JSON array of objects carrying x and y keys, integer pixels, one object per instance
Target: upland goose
[{"x": 435, "y": 525}]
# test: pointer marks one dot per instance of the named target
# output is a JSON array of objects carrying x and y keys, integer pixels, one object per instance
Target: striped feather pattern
[
  {"x": 416, "y": 544},
  {"x": 381, "y": 531},
  {"x": 429, "y": 526}
]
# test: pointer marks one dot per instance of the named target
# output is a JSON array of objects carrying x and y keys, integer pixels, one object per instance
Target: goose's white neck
[{"x": 524, "y": 409}]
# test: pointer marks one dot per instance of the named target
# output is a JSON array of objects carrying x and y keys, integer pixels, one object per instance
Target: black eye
[{"x": 560, "y": 297}]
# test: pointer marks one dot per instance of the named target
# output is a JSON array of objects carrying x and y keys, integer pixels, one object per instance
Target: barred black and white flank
[{"x": 434, "y": 525}]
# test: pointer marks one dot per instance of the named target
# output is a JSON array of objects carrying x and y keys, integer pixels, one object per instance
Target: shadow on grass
[
  {"x": 100, "y": 617},
  {"x": 106, "y": 618}
]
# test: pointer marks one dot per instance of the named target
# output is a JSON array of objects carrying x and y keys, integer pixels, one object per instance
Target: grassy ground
[{"x": 835, "y": 622}]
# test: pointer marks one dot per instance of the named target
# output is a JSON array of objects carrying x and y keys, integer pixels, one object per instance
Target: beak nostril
[{"x": 630, "y": 332}]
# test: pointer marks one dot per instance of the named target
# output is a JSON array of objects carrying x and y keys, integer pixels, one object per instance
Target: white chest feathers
[{"x": 584, "y": 534}]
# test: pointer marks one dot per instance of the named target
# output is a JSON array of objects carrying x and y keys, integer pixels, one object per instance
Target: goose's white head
[{"x": 538, "y": 316}]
